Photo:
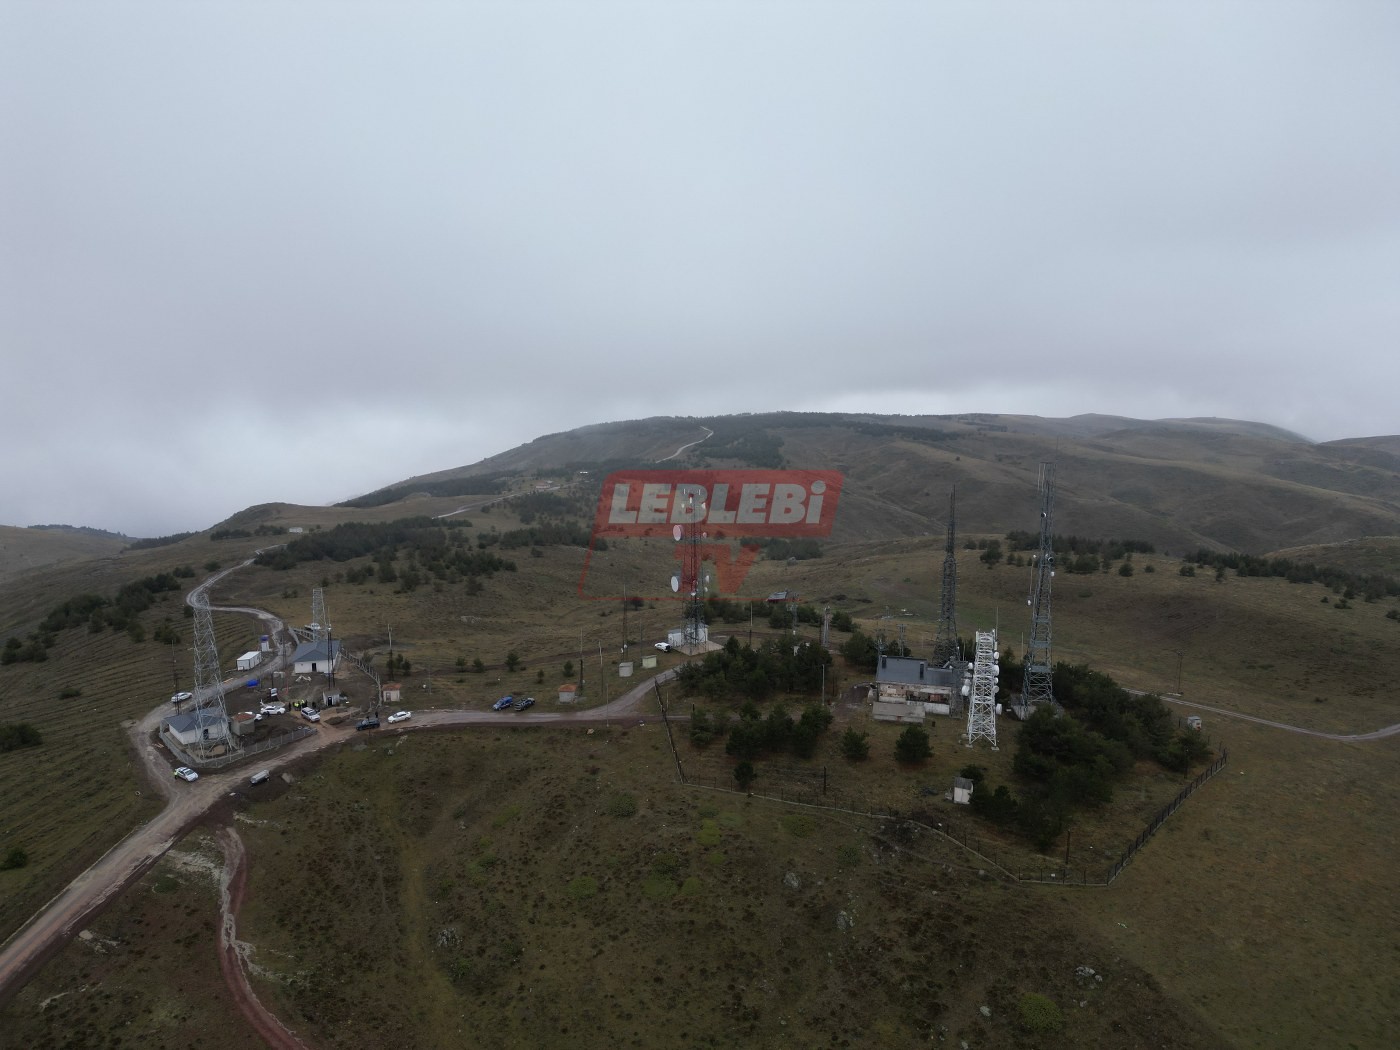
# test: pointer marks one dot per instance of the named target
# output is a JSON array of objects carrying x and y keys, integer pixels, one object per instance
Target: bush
[
  {"x": 744, "y": 774},
  {"x": 1040, "y": 1014},
  {"x": 14, "y": 736},
  {"x": 583, "y": 887},
  {"x": 912, "y": 745},
  {"x": 622, "y": 805},
  {"x": 855, "y": 746},
  {"x": 16, "y": 858}
]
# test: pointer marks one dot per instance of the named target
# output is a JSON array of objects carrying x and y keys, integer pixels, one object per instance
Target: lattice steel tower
[
  {"x": 211, "y": 716},
  {"x": 945, "y": 644},
  {"x": 982, "y": 704},
  {"x": 1037, "y": 685},
  {"x": 320, "y": 626}
]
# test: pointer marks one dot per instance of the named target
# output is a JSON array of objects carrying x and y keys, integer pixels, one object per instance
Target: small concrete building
[
  {"x": 568, "y": 693},
  {"x": 391, "y": 693},
  {"x": 198, "y": 728},
  {"x": 962, "y": 791},
  {"x": 907, "y": 689},
  {"x": 244, "y": 723},
  {"x": 675, "y": 637},
  {"x": 313, "y": 657}
]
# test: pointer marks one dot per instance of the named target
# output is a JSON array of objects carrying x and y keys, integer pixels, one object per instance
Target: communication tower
[
  {"x": 981, "y": 707},
  {"x": 690, "y": 581},
  {"x": 945, "y": 645},
  {"x": 320, "y": 626},
  {"x": 1037, "y": 685},
  {"x": 826, "y": 627},
  {"x": 209, "y": 711}
]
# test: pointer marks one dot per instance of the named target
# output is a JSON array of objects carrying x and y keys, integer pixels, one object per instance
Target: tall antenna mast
[
  {"x": 945, "y": 645},
  {"x": 690, "y": 581},
  {"x": 1037, "y": 685}
]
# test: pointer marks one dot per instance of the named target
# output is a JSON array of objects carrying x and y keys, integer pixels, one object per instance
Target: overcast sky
[{"x": 295, "y": 251}]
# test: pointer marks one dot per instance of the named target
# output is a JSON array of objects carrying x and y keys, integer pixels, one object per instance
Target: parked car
[
  {"x": 400, "y": 716},
  {"x": 665, "y": 647},
  {"x": 180, "y": 698},
  {"x": 503, "y": 703},
  {"x": 186, "y": 773},
  {"x": 529, "y": 701},
  {"x": 310, "y": 715},
  {"x": 367, "y": 723},
  {"x": 274, "y": 709}
]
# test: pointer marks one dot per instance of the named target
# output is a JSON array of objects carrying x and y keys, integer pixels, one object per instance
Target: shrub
[
  {"x": 14, "y": 736},
  {"x": 16, "y": 858},
  {"x": 622, "y": 805},
  {"x": 1040, "y": 1014},
  {"x": 583, "y": 887}
]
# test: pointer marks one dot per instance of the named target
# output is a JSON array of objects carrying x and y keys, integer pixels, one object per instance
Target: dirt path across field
[
  {"x": 1375, "y": 734},
  {"x": 232, "y": 960}
]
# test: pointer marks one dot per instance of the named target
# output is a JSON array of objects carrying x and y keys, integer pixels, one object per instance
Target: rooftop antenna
[
  {"x": 1037, "y": 685},
  {"x": 981, "y": 707},
  {"x": 945, "y": 645}
]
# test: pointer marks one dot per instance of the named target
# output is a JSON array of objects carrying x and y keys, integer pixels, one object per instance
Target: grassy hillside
[
  {"x": 30, "y": 550},
  {"x": 1180, "y": 484}
]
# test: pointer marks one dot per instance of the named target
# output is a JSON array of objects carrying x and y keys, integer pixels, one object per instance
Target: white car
[
  {"x": 400, "y": 716},
  {"x": 180, "y": 698},
  {"x": 186, "y": 773},
  {"x": 665, "y": 647},
  {"x": 310, "y": 715},
  {"x": 274, "y": 709}
]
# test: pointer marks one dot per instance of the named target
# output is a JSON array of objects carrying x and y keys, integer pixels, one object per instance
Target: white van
[{"x": 260, "y": 777}]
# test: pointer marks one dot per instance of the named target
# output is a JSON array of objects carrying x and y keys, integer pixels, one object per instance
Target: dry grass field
[{"x": 549, "y": 888}]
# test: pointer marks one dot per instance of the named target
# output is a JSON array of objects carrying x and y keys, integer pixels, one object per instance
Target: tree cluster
[
  {"x": 741, "y": 671},
  {"x": 97, "y": 613},
  {"x": 754, "y": 736},
  {"x": 1370, "y": 586}
]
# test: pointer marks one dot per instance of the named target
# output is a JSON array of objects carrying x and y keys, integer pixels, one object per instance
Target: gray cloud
[{"x": 409, "y": 236}]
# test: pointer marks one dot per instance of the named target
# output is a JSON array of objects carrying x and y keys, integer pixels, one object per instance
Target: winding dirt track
[
  {"x": 1375, "y": 734},
  {"x": 232, "y": 883},
  {"x": 61, "y": 918}
]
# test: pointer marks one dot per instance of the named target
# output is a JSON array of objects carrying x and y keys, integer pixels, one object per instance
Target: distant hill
[
  {"x": 26, "y": 549},
  {"x": 1177, "y": 483}
]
